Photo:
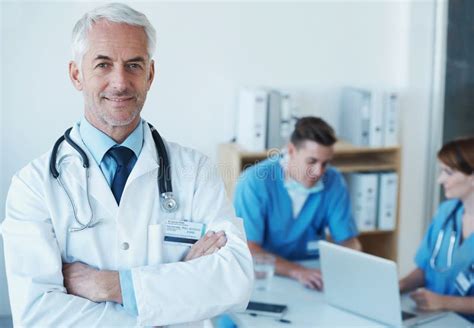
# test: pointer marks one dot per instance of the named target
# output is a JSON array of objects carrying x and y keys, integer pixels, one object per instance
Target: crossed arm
[
  {"x": 104, "y": 285},
  {"x": 42, "y": 293}
]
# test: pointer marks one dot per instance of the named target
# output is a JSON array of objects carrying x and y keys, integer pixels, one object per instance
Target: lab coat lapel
[
  {"x": 147, "y": 161},
  {"x": 98, "y": 187}
]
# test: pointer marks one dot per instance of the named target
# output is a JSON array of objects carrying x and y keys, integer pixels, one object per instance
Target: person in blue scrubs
[
  {"x": 444, "y": 274},
  {"x": 287, "y": 202}
]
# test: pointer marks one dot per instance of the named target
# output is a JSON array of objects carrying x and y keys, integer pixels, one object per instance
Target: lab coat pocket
[{"x": 155, "y": 244}]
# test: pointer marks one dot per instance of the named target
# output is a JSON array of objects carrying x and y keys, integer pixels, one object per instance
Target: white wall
[
  {"x": 4, "y": 306},
  {"x": 206, "y": 51},
  {"x": 417, "y": 110}
]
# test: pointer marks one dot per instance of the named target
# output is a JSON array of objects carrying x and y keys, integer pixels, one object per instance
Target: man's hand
[
  {"x": 426, "y": 300},
  {"x": 310, "y": 278},
  {"x": 95, "y": 285},
  {"x": 210, "y": 243}
]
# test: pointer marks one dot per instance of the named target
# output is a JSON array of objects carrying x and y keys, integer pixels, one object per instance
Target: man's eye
[
  {"x": 102, "y": 65},
  {"x": 134, "y": 66}
]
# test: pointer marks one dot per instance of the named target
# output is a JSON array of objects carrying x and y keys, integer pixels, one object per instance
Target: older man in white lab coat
[{"x": 90, "y": 249}]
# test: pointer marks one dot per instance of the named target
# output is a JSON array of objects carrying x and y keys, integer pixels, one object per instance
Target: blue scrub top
[
  {"x": 263, "y": 202},
  {"x": 463, "y": 257}
]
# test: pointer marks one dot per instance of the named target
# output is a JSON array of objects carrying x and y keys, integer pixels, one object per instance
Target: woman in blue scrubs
[{"x": 444, "y": 277}]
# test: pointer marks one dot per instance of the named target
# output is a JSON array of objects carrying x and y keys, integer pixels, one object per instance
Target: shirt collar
[{"x": 98, "y": 143}]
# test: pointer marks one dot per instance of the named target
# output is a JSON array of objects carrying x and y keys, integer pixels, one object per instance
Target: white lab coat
[{"x": 37, "y": 242}]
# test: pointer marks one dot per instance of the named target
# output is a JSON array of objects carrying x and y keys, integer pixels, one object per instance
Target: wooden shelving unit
[{"x": 232, "y": 160}]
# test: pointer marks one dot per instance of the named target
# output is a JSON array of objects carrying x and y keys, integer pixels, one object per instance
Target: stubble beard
[
  {"x": 106, "y": 119},
  {"x": 111, "y": 121}
]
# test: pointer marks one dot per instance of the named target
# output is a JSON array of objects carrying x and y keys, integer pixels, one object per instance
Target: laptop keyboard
[{"x": 407, "y": 315}]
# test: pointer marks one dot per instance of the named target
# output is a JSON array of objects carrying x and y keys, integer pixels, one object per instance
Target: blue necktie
[{"x": 122, "y": 156}]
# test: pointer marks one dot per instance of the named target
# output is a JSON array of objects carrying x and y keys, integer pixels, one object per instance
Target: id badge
[
  {"x": 462, "y": 283},
  {"x": 465, "y": 280},
  {"x": 178, "y": 232},
  {"x": 312, "y": 247}
]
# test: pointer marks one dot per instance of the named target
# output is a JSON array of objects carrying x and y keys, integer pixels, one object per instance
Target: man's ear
[
  {"x": 291, "y": 149},
  {"x": 151, "y": 74},
  {"x": 75, "y": 75}
]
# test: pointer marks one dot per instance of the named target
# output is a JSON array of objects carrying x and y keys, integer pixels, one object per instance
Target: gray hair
[{"x": 113, "y": 12}]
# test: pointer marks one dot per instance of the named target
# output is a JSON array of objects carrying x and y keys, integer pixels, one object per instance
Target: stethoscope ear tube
[
  {"x": 164, "y": 174},
  {"x": 167, "y": 199},
  {"x": 452, "y": 241},
  {"x": 437, "y": 248},
  {"x": 52, "y": 162},
  {"x": 85, "y": 159}
]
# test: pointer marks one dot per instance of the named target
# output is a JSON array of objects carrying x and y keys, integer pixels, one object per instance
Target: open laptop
[{"x": 367, "y": 285}]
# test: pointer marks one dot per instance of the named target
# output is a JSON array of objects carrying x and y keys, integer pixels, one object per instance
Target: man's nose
[
  {"x": 118, "y": 79},
  {"x": 318, "y": 170}
]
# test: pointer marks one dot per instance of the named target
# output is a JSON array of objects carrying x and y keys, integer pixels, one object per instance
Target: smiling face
[
  {"x": 116, "y": 75},
  {"x": 455, "y": 183},
  {"x": 307, "y": 163}
]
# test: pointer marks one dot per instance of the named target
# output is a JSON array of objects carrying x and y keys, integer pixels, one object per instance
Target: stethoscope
[
  {"x": 167, "y": 199},
  {"x": 452, "y": 241}
]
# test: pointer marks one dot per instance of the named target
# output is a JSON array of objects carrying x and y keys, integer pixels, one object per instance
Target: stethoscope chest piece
[{"x": 168, "y": 202}]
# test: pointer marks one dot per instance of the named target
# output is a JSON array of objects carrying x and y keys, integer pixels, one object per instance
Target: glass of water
[{"x": 264, "y": 269}]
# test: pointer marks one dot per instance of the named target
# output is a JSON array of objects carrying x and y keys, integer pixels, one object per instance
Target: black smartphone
[{"x": 276, "y": 310}]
